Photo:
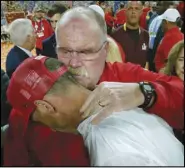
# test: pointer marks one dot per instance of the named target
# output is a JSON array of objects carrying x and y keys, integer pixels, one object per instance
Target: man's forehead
[
  {"x": 134, "y": 3},
  {"x": 78, "y": 27},
  {"x": 78, "y": 37}
]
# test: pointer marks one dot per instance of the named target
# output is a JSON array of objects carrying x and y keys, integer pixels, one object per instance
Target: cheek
[{"x": 95, "y": 67}]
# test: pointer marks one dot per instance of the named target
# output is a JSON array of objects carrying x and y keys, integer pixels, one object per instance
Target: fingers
[
  {"x": 88, "y": 102},
  {"x": 106, "y": 111}
]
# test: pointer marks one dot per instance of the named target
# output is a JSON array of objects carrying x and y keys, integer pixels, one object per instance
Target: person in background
[
  {"x": 49, "y": 44},
  {"x": 120, "y": 17},
  {"x": 102, "y": 4},
  {"x": 175, "y": 61},
  {"x": 5, "y": 109},
  {"x": 155, "y": 31},
  {"x": 151, "y": 14},
  {"x": 180, "y": 8},
  {"x": 172, "y": 35},
  {"x": 24, "y": 39},
  {"x": 42, "y": 28},
  {"x": 5, "y": 106},
  {"x": 109, "y": 18},
  {"x": 146, "y": 9},
  {"x": 133, "y": 38},
  {"x": 175, "y": 67},
  {"x": 115, "y": 51}
]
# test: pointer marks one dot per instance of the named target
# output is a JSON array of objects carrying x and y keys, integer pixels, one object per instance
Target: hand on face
[{"x": 112, "y": 97}]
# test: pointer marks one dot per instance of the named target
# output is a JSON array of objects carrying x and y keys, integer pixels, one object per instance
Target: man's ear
[
  {"x": 44, "y": 106},
  {"x": 29, "y": 38}
]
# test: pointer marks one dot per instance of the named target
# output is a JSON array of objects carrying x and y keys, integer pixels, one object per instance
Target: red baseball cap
[{"x": 30, "y": 82}]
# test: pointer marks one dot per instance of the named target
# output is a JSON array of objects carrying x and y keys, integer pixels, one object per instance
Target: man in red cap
[
  {"x": 42, "y": 90},
  {"x": 30, "y": 143}
]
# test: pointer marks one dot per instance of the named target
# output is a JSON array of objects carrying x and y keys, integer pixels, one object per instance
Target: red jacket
[
  {"x": 170, "y": 38},
  {"x": 47, "y": 32},
  {"x": 43, "y": 147},
  {"x": 169, "y": 90},
  {"x": 120, "y": 17},
  {"x": 109, "y": 19},
  {"x": 142, "y": 21}
]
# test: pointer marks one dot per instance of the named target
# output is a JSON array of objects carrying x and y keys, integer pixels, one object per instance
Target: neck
[
  {"x": 132, "y": 27},
  {"x": 26, "y": 47},
  {"x": 170, "y": 27}
]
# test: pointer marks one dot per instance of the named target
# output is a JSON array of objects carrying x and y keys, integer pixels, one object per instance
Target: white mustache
[{"x": 78, "y": 71}]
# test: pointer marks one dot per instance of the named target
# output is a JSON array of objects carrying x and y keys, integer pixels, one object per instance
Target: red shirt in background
[
  {"x": 120, "y": 17},
  {"x": 43, "y": 30},
  {"x": 109, "y": 19},
  {"x": 143, "y": 20},
  {"x": 170, "y": 38}
]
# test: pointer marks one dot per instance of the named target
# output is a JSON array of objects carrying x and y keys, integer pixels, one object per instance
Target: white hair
[
  {"x": 19, "y": 30},
  {"x": 79, "y": 12}
]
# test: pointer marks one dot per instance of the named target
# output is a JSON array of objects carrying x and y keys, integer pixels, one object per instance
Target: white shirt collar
[{"x": 26, "y": 51}]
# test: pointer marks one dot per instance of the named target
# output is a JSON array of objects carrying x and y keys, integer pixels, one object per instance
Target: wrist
[
  {"x": 140, "y": 95},
  {"x": 149, "y": 94}
]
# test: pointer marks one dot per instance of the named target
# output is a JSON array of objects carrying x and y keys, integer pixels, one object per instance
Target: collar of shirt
[
  {"x": 172, "y": 31},
  {"x": 26, "y": 51}
]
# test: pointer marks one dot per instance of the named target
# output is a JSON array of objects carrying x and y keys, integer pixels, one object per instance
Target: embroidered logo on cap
[
  {"x": 32, "y": 79},
  {"x": 25, "y": 94}
]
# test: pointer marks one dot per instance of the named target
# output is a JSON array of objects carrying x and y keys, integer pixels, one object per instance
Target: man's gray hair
[
  {"x": 79, "y": 12},
  {"x": 19, "y": 30}
]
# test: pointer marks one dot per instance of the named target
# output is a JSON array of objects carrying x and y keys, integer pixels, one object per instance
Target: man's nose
[{"x": 75, "y": 62}]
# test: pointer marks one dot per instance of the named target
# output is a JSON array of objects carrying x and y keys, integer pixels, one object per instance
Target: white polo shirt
[{"x": 131, "y": 138}]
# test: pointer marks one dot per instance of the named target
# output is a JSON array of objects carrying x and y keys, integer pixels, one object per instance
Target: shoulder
[
  {"x": 49, "y": 41},
  {"x": 13, "y": 52},
  {"x": 118, "y": 30},
  {"x": 118, "y": 67},
  {"x": 45, "y": 22},
  {"x": 46, "y": 41},
  {"x": 144, "y": 31}
]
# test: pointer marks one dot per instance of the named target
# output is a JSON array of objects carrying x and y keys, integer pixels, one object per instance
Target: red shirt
[
  {"x": 43, "y": 30},
  {"x": 170, "y": 38},
  {"x": 120, "y": 17},
  {"x": 142, "y": 21},
  {"x": 43, "y": 147},
  {"x": 109, "y": 19}
]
